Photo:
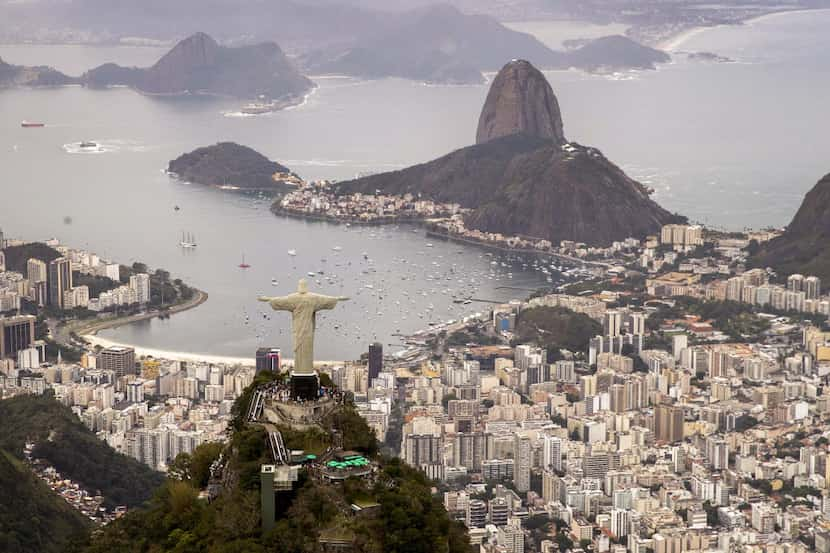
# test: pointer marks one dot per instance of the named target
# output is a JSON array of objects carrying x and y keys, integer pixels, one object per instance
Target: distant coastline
[{"x": 675, "y": 41}]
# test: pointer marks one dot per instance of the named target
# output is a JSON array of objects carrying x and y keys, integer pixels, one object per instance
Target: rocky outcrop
[
  {"x": 198, "y": 64},
  {"x": 804, "y": 247},
  {"x": 613, "y": 53},
  {"x": 524, "y": 178},
  {"x": 19, "y": 75},
  {"x": 520, "y": 101},
  {"x": 228, "y": 164}
]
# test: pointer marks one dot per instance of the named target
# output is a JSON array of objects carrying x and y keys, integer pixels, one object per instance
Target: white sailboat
[{"x": 188, "y": 240}]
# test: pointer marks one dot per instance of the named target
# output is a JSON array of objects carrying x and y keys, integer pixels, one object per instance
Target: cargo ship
[{"x": 31, "y": 125}]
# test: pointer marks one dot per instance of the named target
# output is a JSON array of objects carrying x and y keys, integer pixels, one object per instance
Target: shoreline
[
  {"x": 186, "y": 356},
  {"x": 523, "y": 251},
  {"x": 87, "y": 331},
  {"x": 430, "y": 231},
  {"x": 676, "y": 40},
  {"x": 92, "y": 328}
]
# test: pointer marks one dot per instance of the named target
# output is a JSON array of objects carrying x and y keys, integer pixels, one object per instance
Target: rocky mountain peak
[
  {"x": 520, "y": 101},
  {"x": 197, "y": 50}
]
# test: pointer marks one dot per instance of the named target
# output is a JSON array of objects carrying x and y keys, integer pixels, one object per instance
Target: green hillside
[
  {"x": 33, "y": 517},
  {"x": 556, "y": 327},
  {"x": 408, "y": 518},
  {"x": 73, "y": 450}
]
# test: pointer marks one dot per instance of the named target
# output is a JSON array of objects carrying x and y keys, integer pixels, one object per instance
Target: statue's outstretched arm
[
  {"x": 329, "y": 302},
  {"x": 280, "y": 304}
]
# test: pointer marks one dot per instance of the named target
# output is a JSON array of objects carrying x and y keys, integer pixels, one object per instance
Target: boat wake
[
  {"x": 88, "y": 148},
  {"x": 107, "y": 146}
]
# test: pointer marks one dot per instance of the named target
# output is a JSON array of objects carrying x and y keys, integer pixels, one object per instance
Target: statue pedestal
[{"x": 305, "y": 386}]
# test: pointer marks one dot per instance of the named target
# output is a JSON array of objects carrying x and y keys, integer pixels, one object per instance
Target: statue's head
[{"x": 302, "y": 287}]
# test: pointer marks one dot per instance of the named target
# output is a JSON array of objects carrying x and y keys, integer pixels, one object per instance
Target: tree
[{"x": 139, "y": 267}]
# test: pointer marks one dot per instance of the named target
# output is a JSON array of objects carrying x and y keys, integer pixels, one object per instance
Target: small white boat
[
  {"x": 274, "y": 282},
  {"x": 89, "y": 146},
  {"x": 292, "y": 252}
]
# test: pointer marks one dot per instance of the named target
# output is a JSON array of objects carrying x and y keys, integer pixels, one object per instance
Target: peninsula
[
  {"x": 521, "y": 183},
  {"x": 18, "y": 75}
]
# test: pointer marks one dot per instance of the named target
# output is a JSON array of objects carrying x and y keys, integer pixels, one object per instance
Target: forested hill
[
  {"x": 33, "y": 517},
  {"x": 63, "y": 441},
  {"x": 407, "y": 517}
]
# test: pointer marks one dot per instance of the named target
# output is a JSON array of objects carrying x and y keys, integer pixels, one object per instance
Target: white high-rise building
[
  {"x": 552, "y": 452},
  {"x": 620, "y": 522},
  {"x": 795, "y": 283},
  {"x": 636, "y": 323},
  {"x": 512, "y": 539},
  {"x": 812, "y": 287},
  {"x": 135, "y": 391},
  {"x": 35, "y": 271},
  {"x": 612, "y": 323},
  {"x": 524, "y": 461},
  {"x": 565, "y": 371},
  {"x": 734, "y": 289},
  {"x": 28, "y": 358},
  {"x": 717, "y": 452},
  {"x": 679, "y": 343},
  {"x": 140, "y": 284}
]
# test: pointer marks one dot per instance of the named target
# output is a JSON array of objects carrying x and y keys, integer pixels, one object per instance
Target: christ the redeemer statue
[{"x": 303, "y": 306}]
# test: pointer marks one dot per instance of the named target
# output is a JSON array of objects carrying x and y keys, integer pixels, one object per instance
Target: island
[{"x": 232, "y": 166}]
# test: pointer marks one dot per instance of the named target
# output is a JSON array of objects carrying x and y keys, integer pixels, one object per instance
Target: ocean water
[{"x": 729, "y": 144}]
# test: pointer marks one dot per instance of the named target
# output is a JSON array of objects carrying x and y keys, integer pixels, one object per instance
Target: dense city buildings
[{"x": 670, "y": 427}]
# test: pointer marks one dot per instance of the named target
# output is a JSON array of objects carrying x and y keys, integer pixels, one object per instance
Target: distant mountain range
[
  {"x": 434, "y": 43},
  {"x": 524, "y": 178},
  {"x": 804, "y": 247},
  {"x": 441, "y": 44},
  {"x": 197, "y": 64}
]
